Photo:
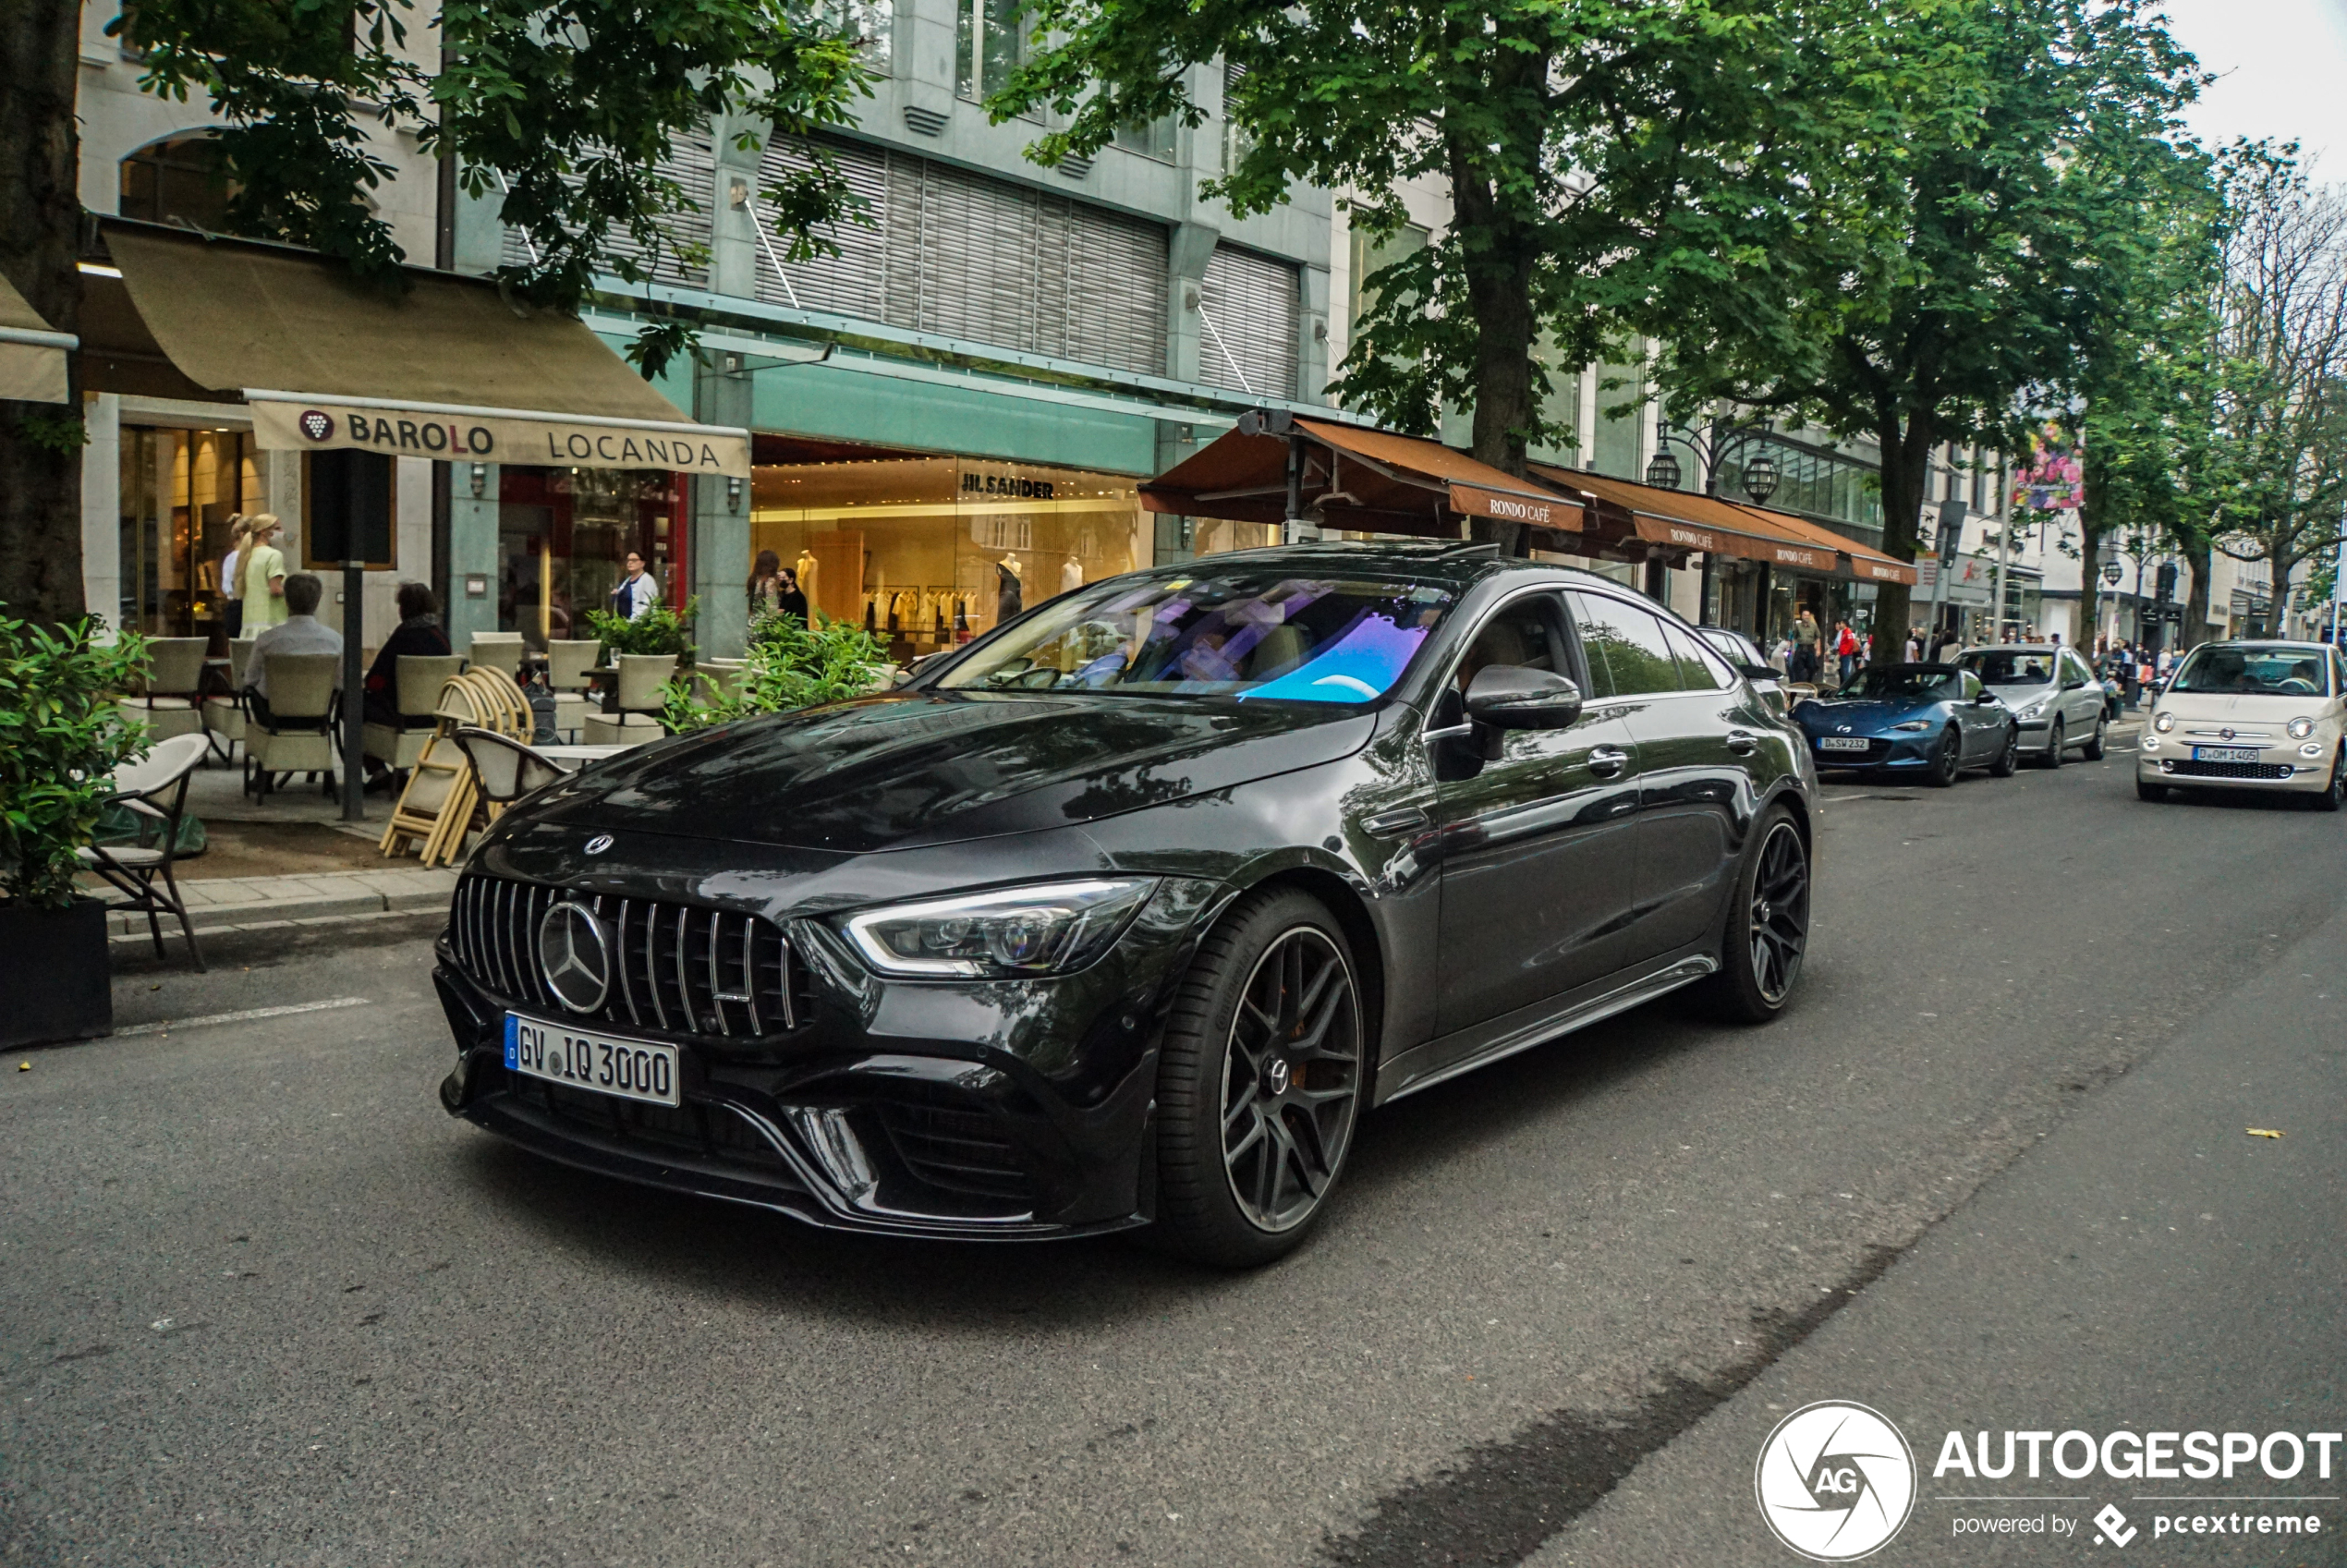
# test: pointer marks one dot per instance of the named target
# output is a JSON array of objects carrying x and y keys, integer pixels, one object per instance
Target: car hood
[
  {"x": 919, "y": 767},
  {"x": 2019, "y": 692},
  {"x": 1863, "y": 715},
  {"x": 2243, "y": 708}
]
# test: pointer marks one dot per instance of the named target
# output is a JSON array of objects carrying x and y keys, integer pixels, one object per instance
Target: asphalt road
[{"x": 264, "y": 1303}]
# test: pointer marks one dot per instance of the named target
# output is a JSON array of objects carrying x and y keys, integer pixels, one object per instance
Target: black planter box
[{"x": 61, "y": 984}]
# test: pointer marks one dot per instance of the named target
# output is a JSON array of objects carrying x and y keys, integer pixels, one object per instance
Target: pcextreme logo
[{"x": 1835, "y": 1481}]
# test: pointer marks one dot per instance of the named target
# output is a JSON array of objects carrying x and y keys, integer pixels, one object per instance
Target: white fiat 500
[{"x": 2253, "y": 716}]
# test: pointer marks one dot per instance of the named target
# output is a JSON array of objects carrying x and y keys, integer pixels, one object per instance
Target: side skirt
[{"x": 1521, "y": 1031}]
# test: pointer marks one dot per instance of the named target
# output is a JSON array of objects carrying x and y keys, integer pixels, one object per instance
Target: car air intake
[{"x": 720, "y": 973}]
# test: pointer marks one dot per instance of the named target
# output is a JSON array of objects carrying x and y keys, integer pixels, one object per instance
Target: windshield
[
  {"x": 2011, "y": 666},
  {"x": 1928, "y": 683},
  {"x": 2231, "y": 669},
  {"x": 1253, "y": 634}
]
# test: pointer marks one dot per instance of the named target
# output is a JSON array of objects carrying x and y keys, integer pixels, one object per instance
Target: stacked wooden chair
[{"x": 437, "y": 809}]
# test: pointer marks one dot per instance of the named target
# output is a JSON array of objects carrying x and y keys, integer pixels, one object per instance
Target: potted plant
[
  {"x": 61, "y": 737},
  {"x": 791, "y": 666},
  {"x": 645, "y": 650}
]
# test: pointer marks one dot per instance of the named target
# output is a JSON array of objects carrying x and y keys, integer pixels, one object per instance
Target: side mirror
[
  {"x": 1986, "y": 699},
  {"x": 1760, "y": 672},
  {"x": 1509, "y": 697}
]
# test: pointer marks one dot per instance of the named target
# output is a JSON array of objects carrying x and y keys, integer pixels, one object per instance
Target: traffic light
[{"x": 2166, "y": 583}]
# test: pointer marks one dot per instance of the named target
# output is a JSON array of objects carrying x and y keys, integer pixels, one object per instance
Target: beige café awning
[
  {"x": 32, "y": 353},
  {"x": 448, "y": 369}
]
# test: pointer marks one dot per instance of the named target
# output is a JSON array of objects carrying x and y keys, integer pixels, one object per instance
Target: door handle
[
  {"x": 1605, "y": 761},
  {"x": 1744, "y": 743},
  {"x": 1387, "y": 825}
]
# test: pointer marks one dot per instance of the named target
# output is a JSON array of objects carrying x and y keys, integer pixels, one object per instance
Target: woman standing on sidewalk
[
  {"x": 232, "y": 602},
  {"x": 263, "y": 570}
]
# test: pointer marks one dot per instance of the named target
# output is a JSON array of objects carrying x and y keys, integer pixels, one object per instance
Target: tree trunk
[
  {"x": 2084, "y": 624},
  {"x": 2197, "y": 557},
  {"x": 1906, "y": 470},
  {"x": 40, "y": 223},
  {"x": 1500, "y": 254}
]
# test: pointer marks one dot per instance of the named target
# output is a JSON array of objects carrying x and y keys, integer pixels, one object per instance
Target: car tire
[
  {"x": 2092, "y": 750},
  {"x": 2151, "y": 792},
  {"x": 1767, "y": 926},
  {"x": 2335, "y": 792},
  {"x": 1945, "y": 763},
  {"x": 1253, "y": 1126},
  {"x": 2054, "y": 743},
  {"x": 2008, "y": 760}
]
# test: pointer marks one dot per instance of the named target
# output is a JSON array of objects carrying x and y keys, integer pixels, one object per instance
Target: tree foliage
[
  {"x": 1581, "y": 141},
  {"x": 565, "y": 110},
  {"x": 2012, "y": 197},
  {"x": 791, "y": 666},
  {"x": 62, "y": 736}
]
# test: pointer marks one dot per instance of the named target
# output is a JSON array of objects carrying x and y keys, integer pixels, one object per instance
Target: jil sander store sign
[{"x": 482, "y": 435}]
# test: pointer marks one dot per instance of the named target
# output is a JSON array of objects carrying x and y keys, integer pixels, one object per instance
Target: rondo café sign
[{"x": 476, "y": 435}]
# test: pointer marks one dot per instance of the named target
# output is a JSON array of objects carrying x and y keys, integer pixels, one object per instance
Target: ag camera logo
[{"x": 1835, "y": 1481}]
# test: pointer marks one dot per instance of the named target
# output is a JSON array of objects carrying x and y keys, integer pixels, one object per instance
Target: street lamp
[{"x": 1710, "y": 447}]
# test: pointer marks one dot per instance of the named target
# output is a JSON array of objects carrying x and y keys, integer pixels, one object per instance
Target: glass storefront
[
  {"x": 563, "y": 539},
  {"x": 178, "y": 489},
  {"x": 928, "y": 552}
]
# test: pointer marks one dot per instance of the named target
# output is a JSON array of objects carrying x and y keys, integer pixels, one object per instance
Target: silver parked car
[
  {"x": 2052, "y": 693},
  {"x": 1738, "y": 650}
]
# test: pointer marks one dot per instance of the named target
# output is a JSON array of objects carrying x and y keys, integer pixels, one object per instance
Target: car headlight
[
  {"x": 2034, "y": 708},
  {"x": 2310, "y": 749},
  {"x": 2300, "y": 728},
  {"x": 1011, "y": 933},
  {"x": 1913, "y": 725},
  {"x": 2163, "y": 722}
]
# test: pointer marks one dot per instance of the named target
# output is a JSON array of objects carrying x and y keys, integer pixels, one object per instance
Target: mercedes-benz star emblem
[
  {"x": 575, "y": 957},
  {"x": 599, "y": 843}
]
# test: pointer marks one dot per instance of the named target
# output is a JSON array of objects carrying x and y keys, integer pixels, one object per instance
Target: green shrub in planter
[
  {"x": 61, "y": 736},
  {"x": 790, "y": 665},
  {"x": 658, "y": 630}
]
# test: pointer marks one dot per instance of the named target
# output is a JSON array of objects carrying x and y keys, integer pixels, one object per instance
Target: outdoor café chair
[{"x": 154, "y": 787}]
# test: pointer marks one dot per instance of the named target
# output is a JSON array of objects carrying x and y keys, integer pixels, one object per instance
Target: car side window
[
  {"x": 1700, "y": 666},
  {"x": 1629, "y": 655},
  {"x": 1972, "y": 686},
  {"x": 1527, "y": 632}
]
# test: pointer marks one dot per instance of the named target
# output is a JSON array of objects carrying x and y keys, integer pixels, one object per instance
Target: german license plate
[
  {"x": 2224, "y": 754},
  {"x": 1841, "y": 743},
  {"x": 631, "y": 1069}
]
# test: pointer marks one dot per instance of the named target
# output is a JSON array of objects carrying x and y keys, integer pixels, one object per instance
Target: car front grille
[
  {"x": 2191, "y": 769},
  {"x": 706, "y": 1135},
  {"x": 714, "y": 972}
]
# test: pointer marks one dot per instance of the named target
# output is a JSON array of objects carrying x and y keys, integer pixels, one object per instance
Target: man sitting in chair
[{"x": 299, "y": 632}]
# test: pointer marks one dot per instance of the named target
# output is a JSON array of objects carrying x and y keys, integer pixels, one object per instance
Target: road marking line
[{"x": 167, "y": 1024}]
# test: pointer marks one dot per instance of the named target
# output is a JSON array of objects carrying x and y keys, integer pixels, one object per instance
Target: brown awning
[
  {"x": 1688, "y": 524},
  {"x": 1354, "y": 477},
  {"x": 32, "y": 353},
  {"x": 448, "y": 369}
]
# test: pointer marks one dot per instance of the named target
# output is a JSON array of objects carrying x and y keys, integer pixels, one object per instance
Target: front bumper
[
  {"x": 911, "y": 1110},
  {"x": 2278, "y": 769},
  {"x": 1910, "y": 749}
]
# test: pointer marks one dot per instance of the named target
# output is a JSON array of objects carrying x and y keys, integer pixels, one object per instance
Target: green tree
[
  {"x": 564, "y": 108},
  {"x": 1584, "y": 143},
  {"x": 1937, "y": 280}
]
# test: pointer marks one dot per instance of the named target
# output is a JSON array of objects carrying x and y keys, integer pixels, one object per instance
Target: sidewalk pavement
[{"x": 229, "y": 903}]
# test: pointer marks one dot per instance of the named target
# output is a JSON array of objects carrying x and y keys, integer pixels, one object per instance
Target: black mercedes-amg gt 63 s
[{"x": 1122, "y": 914}]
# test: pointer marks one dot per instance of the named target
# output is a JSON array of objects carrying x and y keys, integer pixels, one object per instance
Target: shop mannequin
[
  {"x": 806, "y": 565},
  {"x": 1071, "y": 573},
  {"x": 1010, "y": 592}
]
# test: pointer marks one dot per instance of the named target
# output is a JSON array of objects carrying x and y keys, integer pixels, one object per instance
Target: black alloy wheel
[
  {"x": 1945, "y": 763},
  {"x": 2008, "y": 755},
  {"x": 1767, "y": 925},
  {"x": 1259, "y": 1083},
  {"x": 2335, "y": 792},
  {"x": 2092, "y": 750},
  {"x": 2054, "y": 743}
]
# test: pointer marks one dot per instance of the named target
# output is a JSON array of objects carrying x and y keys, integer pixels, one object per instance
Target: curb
[{"x": 277, "y": 902}]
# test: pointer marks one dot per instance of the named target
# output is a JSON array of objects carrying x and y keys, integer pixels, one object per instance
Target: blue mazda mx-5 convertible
[{"x": 1935, "y": 720}]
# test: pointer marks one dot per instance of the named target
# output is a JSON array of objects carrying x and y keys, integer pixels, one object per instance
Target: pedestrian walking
[
  {"x": 261, "y": 569},
  {"x": 231, "y": 603},
  {"x": 1845, "y": 651},
  {"x": 1804, "y": 647},
  {"x": 765, "y": 584},
  {"x": 1914, "y": 645}
]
